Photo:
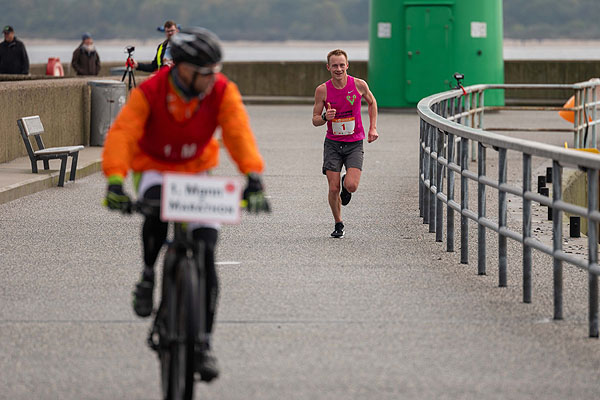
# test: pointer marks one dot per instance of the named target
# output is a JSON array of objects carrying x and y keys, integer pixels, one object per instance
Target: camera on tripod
[{"x": 129, "y": 67}]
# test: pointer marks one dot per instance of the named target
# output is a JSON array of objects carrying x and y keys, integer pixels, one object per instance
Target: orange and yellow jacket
[{"x": 158, "y": 129}]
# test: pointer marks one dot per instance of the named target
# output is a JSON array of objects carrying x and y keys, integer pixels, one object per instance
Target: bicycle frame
[{"x": 178, "y": 321}]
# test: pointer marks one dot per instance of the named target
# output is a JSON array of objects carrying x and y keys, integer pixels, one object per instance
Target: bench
[{"x": 32, "y": 126}]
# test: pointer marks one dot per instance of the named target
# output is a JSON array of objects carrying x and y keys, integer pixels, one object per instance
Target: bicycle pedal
[{"x": 153, "y": 340}]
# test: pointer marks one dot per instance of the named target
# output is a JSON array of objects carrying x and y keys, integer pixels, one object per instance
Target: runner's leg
[{"x": 352, "y": 179}]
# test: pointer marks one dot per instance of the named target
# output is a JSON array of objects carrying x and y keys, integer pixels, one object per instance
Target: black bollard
[
  {"x": 549, "y": 175},
  {"x": 574, "y": 227},
  {"x": 541, "y": 183},
  {"x": 544, "y": 191}
]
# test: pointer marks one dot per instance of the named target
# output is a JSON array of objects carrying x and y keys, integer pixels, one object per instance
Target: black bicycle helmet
[{"x": 196, "y": 46}]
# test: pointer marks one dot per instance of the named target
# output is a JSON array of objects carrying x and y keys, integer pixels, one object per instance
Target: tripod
[{"x": 129, "y": 72}]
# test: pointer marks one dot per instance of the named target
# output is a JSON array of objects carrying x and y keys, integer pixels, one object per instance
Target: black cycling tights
[{"x": 154, "y": 234}]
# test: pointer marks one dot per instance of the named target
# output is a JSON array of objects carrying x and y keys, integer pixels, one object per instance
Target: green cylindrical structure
[{"x": 416, "y": 46}]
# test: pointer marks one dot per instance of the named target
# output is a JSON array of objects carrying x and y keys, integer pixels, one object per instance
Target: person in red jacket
[{"x": 168, "y": 124}]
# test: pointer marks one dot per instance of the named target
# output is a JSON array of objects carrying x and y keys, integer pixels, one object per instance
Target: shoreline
[{"x": 297, "y": 43}]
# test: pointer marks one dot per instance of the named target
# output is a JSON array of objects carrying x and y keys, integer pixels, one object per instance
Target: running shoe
[
  {"x": 344, "y": 194},
  {"x": 206, "y": 365},
  {"x": 339, "y": 230}
]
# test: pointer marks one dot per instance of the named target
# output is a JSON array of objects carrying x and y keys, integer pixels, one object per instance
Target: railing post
[
  {"x": 482, "y": 106},
  {"x": 577, "y": 119},
  {"x": 594, "y": 99},
  {"x": 481, "y": 245},
  {"x": 432, "y": 173},
  {"x": 426, "y": 177},
  {"x": 464, "y": 201},
  {"x": 592, "y": 176},
  {"x": 439, "y": 217},
  {"x": 585, "y": 117},
  {"x": 557, "y": 237},
  {"x": 421, "y": 174},
  {"x": 450, "y": 186},
  {"x": 441, "y": 136},
  {"x": 527, "y": 259},
  {"x": 502, "y": 250},
  {"x": 471, "y": 122}
]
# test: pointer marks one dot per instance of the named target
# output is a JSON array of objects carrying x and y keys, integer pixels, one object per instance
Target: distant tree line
[
  {"x": 270, "y": 19},
  {"x": 230, "y": 19},
  {"x": 551, "y": 19}
]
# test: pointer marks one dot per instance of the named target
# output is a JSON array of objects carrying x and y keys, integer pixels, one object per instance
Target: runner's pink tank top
[{"x": 347, "y": 124}]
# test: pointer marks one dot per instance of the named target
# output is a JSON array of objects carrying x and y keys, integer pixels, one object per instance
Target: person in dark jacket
[
  {"x": 163, "y": 52},
  {"x": 13, "y": 56},
  {"x": 86, "y": 60}
]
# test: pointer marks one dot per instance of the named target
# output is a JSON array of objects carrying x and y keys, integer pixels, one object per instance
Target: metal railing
[{"x": 448, "y": 121}]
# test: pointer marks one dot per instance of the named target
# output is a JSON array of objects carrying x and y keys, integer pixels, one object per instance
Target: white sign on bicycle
[{"x": 201, "y": 198}]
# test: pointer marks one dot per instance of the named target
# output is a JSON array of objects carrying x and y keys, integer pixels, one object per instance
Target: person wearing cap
[
  {"x": 13, "y": 56},
  {"x": 168, "y": 125},
  {"x": 162, "y": 58},
  {"x": 86, "y": 60}
]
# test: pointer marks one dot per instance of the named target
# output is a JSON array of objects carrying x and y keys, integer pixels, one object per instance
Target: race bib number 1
[
  {"x": 343, "y": 126},
  {"x": 197, "y": 198}
]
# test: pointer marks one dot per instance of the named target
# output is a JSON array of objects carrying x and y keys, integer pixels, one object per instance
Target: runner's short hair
[
  {"x": 169, "y": 24},
  {"x": 337, "y": 52}
]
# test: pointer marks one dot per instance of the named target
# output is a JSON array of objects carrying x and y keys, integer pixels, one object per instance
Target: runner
[{"x": 341, "y": 97}]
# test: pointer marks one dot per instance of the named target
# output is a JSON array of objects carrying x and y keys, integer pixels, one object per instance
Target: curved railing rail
[{"x": 448, "y": 121}]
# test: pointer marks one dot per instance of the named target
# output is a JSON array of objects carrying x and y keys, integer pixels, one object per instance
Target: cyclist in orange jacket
[{"x": 168, "y": 124}]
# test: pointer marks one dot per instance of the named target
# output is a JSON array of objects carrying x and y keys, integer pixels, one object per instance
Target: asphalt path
[{"x": 385, "y": 313}]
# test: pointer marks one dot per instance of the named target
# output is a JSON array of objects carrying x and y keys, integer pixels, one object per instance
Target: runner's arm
[
  {"x": 320, "y": 97},
  {"x": 122, "y": 139},
  {"x": 237, "y": 133},
  {"x": 366, "y": 93}
]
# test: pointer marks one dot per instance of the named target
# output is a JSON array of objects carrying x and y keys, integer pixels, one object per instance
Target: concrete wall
[
  {"x": 285, "y": 78},
  {"x": 62, "y": 104},
  {"x": 575, "y": 192},
  {"x": 560, "y": 71}
]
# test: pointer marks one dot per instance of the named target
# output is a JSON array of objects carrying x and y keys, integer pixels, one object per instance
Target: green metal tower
[{"x": 416, "y": 46}]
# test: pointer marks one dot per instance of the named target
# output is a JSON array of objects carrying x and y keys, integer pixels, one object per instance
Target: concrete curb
[{"x": 46, "y": 180}]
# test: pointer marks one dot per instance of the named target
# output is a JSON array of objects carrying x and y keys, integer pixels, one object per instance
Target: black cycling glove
[
  {"x": 254, "y": 196},
  {"x": 117, "y": 199}
]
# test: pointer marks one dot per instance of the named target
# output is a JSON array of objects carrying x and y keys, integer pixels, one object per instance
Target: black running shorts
[{"x": 336, "y": 154}]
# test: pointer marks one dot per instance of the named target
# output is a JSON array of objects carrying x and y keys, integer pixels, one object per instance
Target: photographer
[{"x": 163, "y": 52}]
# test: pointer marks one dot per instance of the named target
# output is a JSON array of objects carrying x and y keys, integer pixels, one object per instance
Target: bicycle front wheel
[{"x": 183, "y": 326}]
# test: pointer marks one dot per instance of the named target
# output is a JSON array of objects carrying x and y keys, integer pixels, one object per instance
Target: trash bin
[{"x": 108, "y": 97}]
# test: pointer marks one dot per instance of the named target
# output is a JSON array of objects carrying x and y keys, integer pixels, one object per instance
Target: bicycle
[{"x": 174, "y": 331}]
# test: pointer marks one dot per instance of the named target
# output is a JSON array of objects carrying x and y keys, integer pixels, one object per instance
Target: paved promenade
[{"x": 385, "y": 313}]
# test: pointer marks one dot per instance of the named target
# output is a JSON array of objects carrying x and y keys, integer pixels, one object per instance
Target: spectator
[
  {"x": 86, "y": 60},
  {"x": 163, "y": 52},
  {"x": 13, "y": 56}
]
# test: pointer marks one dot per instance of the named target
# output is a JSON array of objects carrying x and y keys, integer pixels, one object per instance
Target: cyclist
[{"x": 168, "y": 124}]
